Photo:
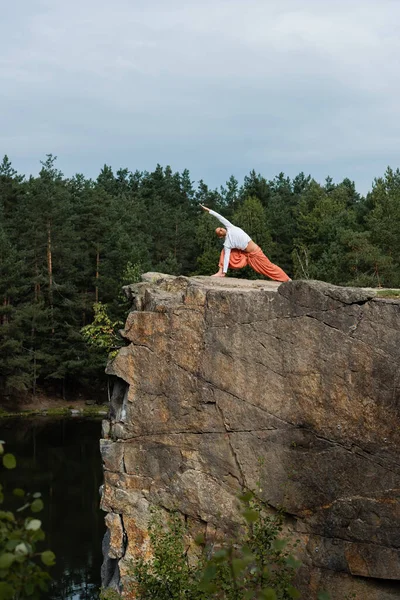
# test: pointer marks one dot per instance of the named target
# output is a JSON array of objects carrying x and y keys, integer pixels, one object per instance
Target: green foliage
[
  {"x": 260, "y": 566},
  {"x": 207, "y": 262},
  {"x": 21, "y": 571},
  {"x": 170, "y": 265},
  {"x": 9, "y": 461},
  {"x": 251, "y": 217},
  {"x": 323, "y": 218},
  {"x": 109, "y": 594},
  {"x": 169, "y": 573},
  {"x": 132, "y": 273},
  {"x": 256, "y": 565},
  {"x": 101, "y": 334},
  {"x": 388, "y": 294},
  {"x": 382, "y": 222}
]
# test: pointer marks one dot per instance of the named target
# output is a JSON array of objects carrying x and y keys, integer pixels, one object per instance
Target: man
[{"x": 240, "y": 250}]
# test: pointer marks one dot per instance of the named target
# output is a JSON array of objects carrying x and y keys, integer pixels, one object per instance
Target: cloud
[{"x": 220, "y": 86}]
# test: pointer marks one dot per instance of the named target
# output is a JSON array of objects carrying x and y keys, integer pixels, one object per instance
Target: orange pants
[{"x": 257, "y": 261}]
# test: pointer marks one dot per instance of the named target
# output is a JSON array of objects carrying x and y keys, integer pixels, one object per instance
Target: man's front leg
[
  {"x": 219, "y": 273},
  {"x": 220, "y": 265}
]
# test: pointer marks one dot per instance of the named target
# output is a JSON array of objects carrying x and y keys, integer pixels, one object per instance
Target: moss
[{"x": 388, "y": 294}]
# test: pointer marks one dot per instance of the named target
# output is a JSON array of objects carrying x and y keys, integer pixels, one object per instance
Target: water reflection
[{"x": 61, "y": 459}]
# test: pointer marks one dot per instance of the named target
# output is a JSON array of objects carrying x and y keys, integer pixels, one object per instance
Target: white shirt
[{"x": 235, "y": 238}]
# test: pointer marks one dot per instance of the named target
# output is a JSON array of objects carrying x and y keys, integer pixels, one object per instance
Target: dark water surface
[{"x": 61, "y": 459}]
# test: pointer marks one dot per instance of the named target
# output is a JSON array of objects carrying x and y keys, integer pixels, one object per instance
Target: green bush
[
  {"x": 261, "y": 566},
  {"x": 258, "y": 565},
  {"x": 102, "y": 334},
  {"x": 21, "y": 572},
  {"x": 109, "y": 594}
]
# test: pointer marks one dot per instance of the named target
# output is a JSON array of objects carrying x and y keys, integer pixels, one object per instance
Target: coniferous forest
[{"x": 68, "y": 243}]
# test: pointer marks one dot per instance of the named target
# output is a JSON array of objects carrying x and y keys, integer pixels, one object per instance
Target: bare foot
[{"x": 219, "y": 274}]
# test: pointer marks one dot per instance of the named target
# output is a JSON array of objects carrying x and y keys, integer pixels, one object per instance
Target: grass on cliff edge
[
  {"x": 388, "y": 294},
  {"x": 87, "y": 411}
]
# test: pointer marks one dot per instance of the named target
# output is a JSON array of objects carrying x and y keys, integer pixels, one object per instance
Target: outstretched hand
[{"x": 205, "y": 208}]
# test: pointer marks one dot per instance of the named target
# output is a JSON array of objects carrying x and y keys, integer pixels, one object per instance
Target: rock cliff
[{"x": 293, "y": 388}]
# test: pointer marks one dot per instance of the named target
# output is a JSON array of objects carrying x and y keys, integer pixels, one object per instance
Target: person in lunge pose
[{"x": 240, "y": 250}]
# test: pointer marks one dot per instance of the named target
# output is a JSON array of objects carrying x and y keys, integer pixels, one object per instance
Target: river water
[{"x": 60, "y": 458}]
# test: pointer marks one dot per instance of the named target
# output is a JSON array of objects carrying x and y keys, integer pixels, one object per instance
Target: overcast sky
[{"x": 216, "y": 86}]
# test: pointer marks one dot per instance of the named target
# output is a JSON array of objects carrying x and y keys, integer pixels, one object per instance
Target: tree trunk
[
  {"x": 84, "y": 308},
  {"x": 33, "y": 328},
  {"x": 37, "y": 284},
  {"x": 377, "y": 275},
  {"x": 34, "y": 374},
  {"x": 97, "y": 275},
  {"x": 50, "y": 273},
  {"x": 4, "y": 318}
]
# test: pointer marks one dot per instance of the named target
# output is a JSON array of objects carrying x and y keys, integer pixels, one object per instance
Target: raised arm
[{"x": 220, "y": 218}]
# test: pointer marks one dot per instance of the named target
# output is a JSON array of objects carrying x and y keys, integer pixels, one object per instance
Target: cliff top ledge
[{"x": 175, "y": 283}]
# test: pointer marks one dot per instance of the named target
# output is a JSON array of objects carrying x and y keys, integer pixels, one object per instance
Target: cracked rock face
[{"x": 292, "y": 389}]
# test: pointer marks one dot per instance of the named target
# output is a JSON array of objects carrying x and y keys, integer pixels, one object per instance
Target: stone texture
[
  {"x": 117, "y": 542},
  {"x": 291, "y": 387}
]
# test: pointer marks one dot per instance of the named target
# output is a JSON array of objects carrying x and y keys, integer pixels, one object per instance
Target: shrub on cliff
[
  {"x": 102, "y": 334},
  {"x": 257, "y": 565}
]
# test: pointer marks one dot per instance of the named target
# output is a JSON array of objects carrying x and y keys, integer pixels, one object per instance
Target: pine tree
[
  {"x": 10, "y": 189},
  {"x": 257, "y": 186},
  {"x": 383, "y": 223},
  {"x": 325, "y": 220},
  {"x": 281, "y": 217},
  {"x": 14, "y": 358},
  {"x": 230, "y": 195}
]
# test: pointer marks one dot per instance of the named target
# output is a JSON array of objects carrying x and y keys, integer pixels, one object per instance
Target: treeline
[{"x": 67, "y": 243}]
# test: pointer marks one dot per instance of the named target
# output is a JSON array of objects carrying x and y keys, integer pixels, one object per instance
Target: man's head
[{"x": 221, "y": 232}]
